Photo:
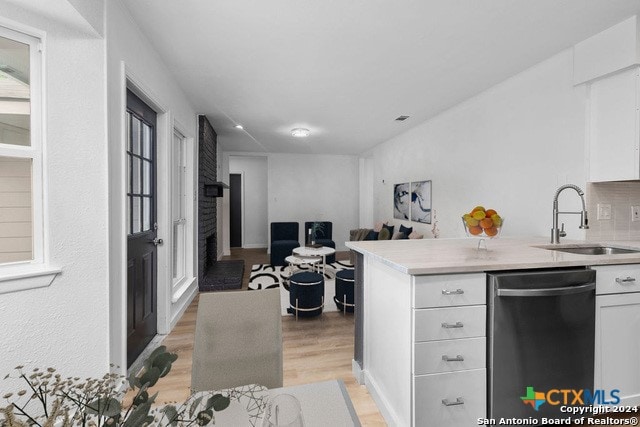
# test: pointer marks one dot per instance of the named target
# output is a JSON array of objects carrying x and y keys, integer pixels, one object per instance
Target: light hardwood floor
[{"x": 316, "y": 349}]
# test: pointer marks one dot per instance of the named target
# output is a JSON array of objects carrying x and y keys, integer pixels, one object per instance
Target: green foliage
[
  {"x": 49, "y": 398},
  {"x": 218, "y": 402},
  {"x": 317, "y": 229}
]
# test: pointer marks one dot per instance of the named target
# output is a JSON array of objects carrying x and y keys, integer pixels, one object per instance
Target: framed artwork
[
  {"x": 401, "y": 201},
  {"x": 421, "y": 202}
]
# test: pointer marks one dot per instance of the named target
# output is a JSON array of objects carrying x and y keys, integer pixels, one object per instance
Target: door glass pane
[
  {"x": 128, "y": 125},
  {"x": 135, "y": 175},
  {"x": 16, "y": 233},
  {"x": 15, "y": 92},
  {"x": 176, "y": 195},
  {"x": 146, "y": 142},
  {"x": 135, "y": 136},
  {"x": 146, "y": 177},
  {"x": 147, "y": 214},
  {"x": 136, "y": 220},
  {"x": 178, "y": 251}
]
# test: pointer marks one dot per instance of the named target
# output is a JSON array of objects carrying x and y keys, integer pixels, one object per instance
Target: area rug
[
  {"x": 266, "y": 276},
  {"x": 223, "y": 276}
]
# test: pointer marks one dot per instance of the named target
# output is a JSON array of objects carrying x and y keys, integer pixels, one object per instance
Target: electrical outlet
[
  {"x": 604, "y": 211},
  {"x": 635, "y": 213}
]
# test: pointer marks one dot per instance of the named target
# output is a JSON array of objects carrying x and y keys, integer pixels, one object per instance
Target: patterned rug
[{"x": 266, "y": 276}]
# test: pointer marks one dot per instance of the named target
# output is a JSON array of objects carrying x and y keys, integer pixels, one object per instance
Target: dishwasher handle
[{"x": 546, "y": 292}]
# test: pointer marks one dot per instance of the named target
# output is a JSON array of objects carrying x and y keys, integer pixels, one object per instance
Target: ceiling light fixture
[
  {"x": 300, "y": 132},
  {"x": 239, "y": 127}
]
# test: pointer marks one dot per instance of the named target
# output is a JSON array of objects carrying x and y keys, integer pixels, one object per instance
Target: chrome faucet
[{"x": 584, "y": 221}]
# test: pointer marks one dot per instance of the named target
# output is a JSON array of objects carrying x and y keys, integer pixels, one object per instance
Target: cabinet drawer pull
[
  {"x": 628, "y": 279},
  {"x": 455, "y": 325},
  {"x": 456, "y": 292},
  {"x": 459, "y": 401},
  {"x": 458, "y": 358}
]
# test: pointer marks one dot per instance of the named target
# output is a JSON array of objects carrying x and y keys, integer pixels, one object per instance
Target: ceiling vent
[{"x": 402, "y": 118}]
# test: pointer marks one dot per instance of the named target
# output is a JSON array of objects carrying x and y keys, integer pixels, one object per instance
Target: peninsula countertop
[{"x": 437, "y": 256}]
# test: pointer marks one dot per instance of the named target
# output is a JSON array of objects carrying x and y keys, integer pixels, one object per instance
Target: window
[
  {"x": 21, "y": 216},
  {"x": 179, "y": 207}
]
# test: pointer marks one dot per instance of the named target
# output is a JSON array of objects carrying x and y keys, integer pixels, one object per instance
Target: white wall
[
  {"x": 129, "y": 51},
  {"x": 254, "y": 198},
  {"x": 508, "y": 148},
  {"x": 65, "y": 325},
  {"x": 367, "y": 218},
  {"x": 315, "y": 188}
]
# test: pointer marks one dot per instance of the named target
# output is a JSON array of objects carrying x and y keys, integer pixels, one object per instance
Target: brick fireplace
[{"x": 207, "y": 215}]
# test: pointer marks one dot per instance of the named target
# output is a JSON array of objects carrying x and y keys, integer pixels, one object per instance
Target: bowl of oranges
[{"x": 483, "y": 223}]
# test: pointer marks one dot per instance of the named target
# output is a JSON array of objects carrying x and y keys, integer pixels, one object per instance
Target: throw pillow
[
  {"x": 378, "y": 226},
  {"x": 390, "y": 228},
  {"x": 405, "y": 230},
  {"x": 384, "y": 234},
  {"x": 398, "y": 236},
  {"x": 415, "y": 235},
  {"x": 373, "y": 235}
]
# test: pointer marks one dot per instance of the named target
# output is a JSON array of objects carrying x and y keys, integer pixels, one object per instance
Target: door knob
[{"x": 157, "y": 242}]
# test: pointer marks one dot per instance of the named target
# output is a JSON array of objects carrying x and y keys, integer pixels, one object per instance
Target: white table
[
  {"x": 323, "y": 404},
  {"x": 296, "y": 261},
  {"x": 320, "y": 252}
]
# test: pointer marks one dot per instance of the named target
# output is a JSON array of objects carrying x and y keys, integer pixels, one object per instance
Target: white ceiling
[{"x": 346, "y": 69}]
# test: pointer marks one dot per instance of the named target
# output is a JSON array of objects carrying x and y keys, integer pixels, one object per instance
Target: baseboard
[
  {"x": 389, "y": 414},
  {"x": 255, "y": 246},
  {"x": 190, "y": 295},
  {"x": 357, "y": 372}
]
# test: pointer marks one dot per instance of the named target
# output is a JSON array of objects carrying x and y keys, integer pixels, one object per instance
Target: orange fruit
[
  {"x": 491, "y": 231},
  {"x": 486, "y": 223},
  {"x": 475, "y": 230},
  {"x": 490, "y": 213}
]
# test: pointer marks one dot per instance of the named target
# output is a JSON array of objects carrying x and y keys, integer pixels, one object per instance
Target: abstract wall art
[
  {"x": 421, "y": 202},
  {"x": 401, "y": 201}
]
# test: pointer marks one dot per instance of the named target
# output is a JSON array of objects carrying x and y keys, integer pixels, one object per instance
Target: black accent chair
[
  {"x": 323, "y": 236},
  {"x": 306, "y": 294},
  {"x": 344, "y": 298},
  {"x": 284, "y": 239}
]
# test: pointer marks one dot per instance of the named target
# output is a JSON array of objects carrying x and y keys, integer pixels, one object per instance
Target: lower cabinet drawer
[
  {"x": 450, "y": 323},
  {"x": 455, "y": 399},
  {"x": 617, "y": 279},
  {"x": 434, "y": 357}
]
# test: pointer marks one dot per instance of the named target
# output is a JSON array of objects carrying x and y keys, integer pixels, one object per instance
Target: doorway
[
  {"x": 142, "y": 253},
  {"x": 235, "y": 201}
]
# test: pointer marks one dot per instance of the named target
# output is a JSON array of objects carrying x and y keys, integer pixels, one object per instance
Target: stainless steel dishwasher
[{"x": 541, "y": 338}]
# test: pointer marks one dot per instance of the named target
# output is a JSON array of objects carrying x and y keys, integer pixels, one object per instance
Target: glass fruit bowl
[{"x": 485, "y": 228}]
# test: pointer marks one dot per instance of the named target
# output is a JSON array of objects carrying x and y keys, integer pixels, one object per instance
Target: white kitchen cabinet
[
  {"x": 449, "y": 359},
  {"x": 614, "y": 127},
  {"x": 617, "y": 353}
]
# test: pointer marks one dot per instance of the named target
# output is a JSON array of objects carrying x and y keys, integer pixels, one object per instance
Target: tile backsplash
[{"x": 621, "y": 196}]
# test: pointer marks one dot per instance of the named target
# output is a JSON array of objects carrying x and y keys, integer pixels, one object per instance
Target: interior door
[
  {"x": 142, "y": 226},
  {"x": 235, "y": 202}
]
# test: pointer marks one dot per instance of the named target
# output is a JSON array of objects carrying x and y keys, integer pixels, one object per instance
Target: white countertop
[{"x": 434, "y": 256}]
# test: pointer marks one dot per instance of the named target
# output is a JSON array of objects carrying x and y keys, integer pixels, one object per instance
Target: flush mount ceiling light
[
  {"x": 239, "y": 127},
  {"x": 300, "y": 132}
]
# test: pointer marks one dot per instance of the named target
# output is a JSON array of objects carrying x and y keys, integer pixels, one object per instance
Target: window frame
[
  {"x": 180, "y": 284},
  {"x": 29, "y": 274}
]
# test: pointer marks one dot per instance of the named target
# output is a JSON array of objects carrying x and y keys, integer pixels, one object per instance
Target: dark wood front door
[
  {"x": 142, "y": 260},
  {"x": 235, "y": 202}
]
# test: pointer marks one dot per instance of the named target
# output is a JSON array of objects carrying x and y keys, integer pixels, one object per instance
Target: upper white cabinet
[{"x": 614, "y": 127}]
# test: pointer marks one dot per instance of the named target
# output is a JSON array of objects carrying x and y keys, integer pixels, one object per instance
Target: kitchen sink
[{"x": 594, "y": 250}]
